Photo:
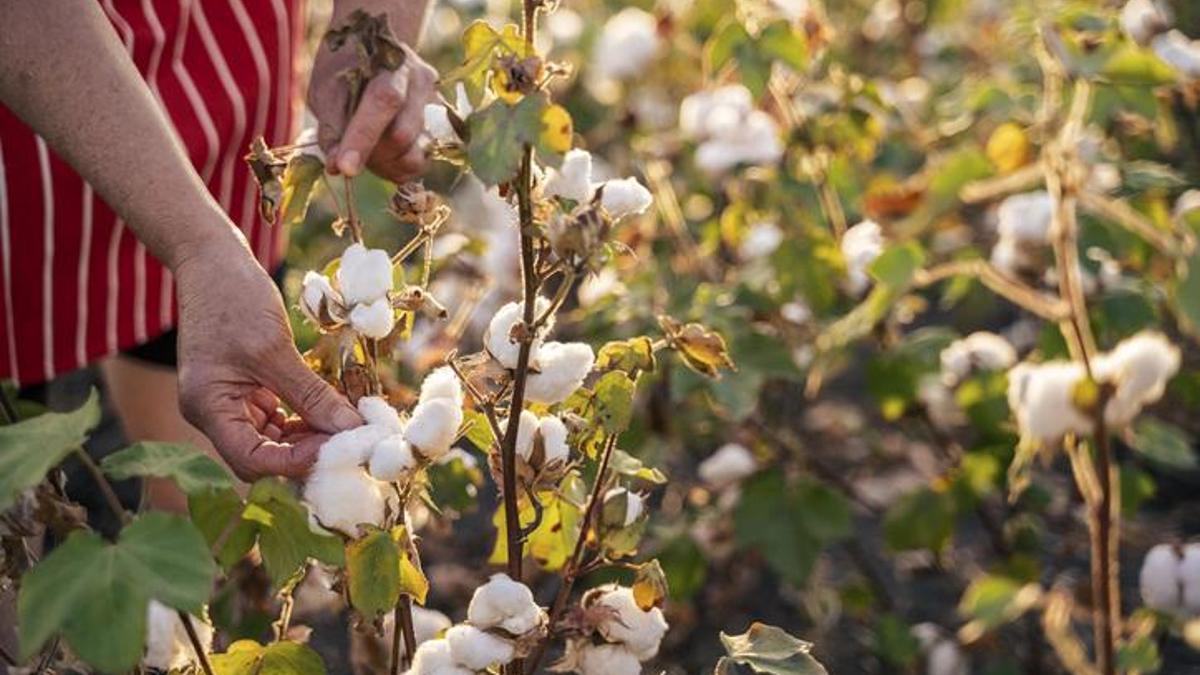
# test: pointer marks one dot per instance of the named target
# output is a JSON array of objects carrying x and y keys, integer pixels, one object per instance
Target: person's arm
[
  {"x": 384, "y": 132},
  {"x": 63, "y": 71}
]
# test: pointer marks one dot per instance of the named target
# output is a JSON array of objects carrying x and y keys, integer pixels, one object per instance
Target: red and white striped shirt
[{"x": 75, "y": 284}]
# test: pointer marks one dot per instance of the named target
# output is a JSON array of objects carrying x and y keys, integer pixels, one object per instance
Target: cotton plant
[{"x": 729, "y": 130}]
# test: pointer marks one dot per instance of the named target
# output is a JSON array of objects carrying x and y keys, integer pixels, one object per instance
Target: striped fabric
[{"x": 75, "y": 284}]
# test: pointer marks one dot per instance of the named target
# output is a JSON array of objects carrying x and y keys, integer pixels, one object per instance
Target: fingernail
[
  {"x": 350, "y": 162},
  {"x": 345, "y": 418}
]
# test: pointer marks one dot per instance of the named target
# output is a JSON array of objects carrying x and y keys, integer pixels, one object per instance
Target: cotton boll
[
  {"x": 504, "y": 603},
  {"x": 428, "y": 624},
  {"x": 980, "y": 350},
  {"x": 700, "y": 114},
  {"x": 373, "y": 320},
  {"x": 640, "y": 631},
  {"x": 342, "y": 498},
  {"x": 752, "y": 141},
  {"x": 477, "y": 649},
  {"x": 316, "y": 296},
  {"x": 1025, "y": 217},
  {"x": 1040, "y": 396},
  {"x": 365, "y": 275},
  {"x": 624, "y": 197},
  {"x": 434, "y": 658},
  {"x": 554, "y": 440},
  {"x": 1159, "y": 579},
  {"x": 861, "y": 245},
  {"x": 760, "y": 241},
  {"x": 1180, "y": 52},
  {"x": 376, "y": 410},
  {"x": 438, "y": 125},
  {"x": 349, "y": 448},
  {"x": 946, "y": 658},
  {"x": 627, "y": 43},
  {"x": 572, "y": 180},
  {"x": 1189, "y": 578},
  {"x": 634, "y": 505},
  {"x": 526, "y": 431},
  {"x": 561, "y": 369},
  {"x": 607, "y": 660},
  {"x": 433, "y": 427},
  {"x": 728, "y": 465},
  {"x": 442, "y": 383},
  {"x": 391, "y": 459},
  {"x": 1140, "y": 367},
  {"x": 167, "y": 642},
  {"x": 939, "y": 403},
  {"x": 496, "y": 339},
  {"x": 1143, "y": 19}
]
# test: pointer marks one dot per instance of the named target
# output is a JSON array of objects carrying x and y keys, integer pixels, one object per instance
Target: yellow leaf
[
  {"x": 702, "y": 349},
  {"x": 557, "y": 129},
  {"x": 650, "y": 586},
  {"x": 1008, "y": 148}
]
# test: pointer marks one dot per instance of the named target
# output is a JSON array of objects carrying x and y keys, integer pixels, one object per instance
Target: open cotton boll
[
  {"x": 504, "y": 603},
  {"x": 438, "y": 125},
  {"x": 640, "y": 631},
  {"x": 1025, "y": 217},
  {"x": 391, "y": 459},
  {"x": 939, "y": 403},
  {"x": 167, "y": 643},
  {"x": 1040, "y": 396},
  {"x": 606, "y": 660},
  {"x": 754, "y": 141},
  {"x": 760, "y": 241},
  {"x": 441, "y": 383},
  {"x": 364, "y": 275},
  {"x": 316, "y": 292},
  {"x": 1189, "y": 578},
  {"x": 428, "y": 624},
  {"x": 728, "y": 465},
  {"x": 624, "y": 197},
  {"x": 561, "y": 369},
  {"x": 497, "y": 340},
  {"x": 1180, "y": 52},
  {"x": 341, "y": 498},
  {"x": 1140, "y": 367},
  {"x": 627, "y": 43},
  {"x": 374, "y": 319},
  {"x": 433, "y": 427},
  {"x": 554, "y": 439},
  {"x": 349, "y": 448},
  {"x": 573, "y": 179},
  {"x": 526, "y": 430},
  {"x": 861, "y": 245},
  {"x": 634, "y": 504},
  {"x": 946, "y": 658},
  {"x": 1159, "y": 579},
  {"x": 434, "y": 658},
  {"x": 477, "y": 649},
  {"x": 702, "y": 113},
  {"x": 376, "y": 410},
  {"x": 1143, "y": 19},
  {"x": 980, "y": 350}
]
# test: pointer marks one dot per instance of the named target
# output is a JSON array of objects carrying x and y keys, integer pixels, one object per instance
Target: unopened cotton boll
[
  {"x": 640, "y": 631},
  {"x": 317, "y": 293},
  {"x": 573, "y": 179},
  {"x": 497, "y": 339},
  {"x": 861, "y": 245},
  {"x": 1159, "y": 579},
  {"x": 374, "y": 319},
  {"x": 624, "y": 197},
  {"x": 376, "y": 410},
  {"x": 554, "y": 440},
  {"x": 504, "y": 603},
  {"x": 441, "y": 383},
  {"x": 391, "y": 459},
  {"x": 1180, "y": 52},
  {"x": 561, "y": 369},
  {"x": 1143, "y": 19},
  {"x": 634, "y": 505},
  {"x": 341, "y": 498},
  {"x": 477, "y": 649},
  {"x": 364, "y": 275},
  {"x": 728, "y": 465},
  {"x": 607, "y": 660},
  {"x": 433, "y": 427},
  {"x": 434, "y": 658},
  {"x": 980, "y": 350},
  {"x": 167, "y": 643},
  {"x": 627, "y": 43},
  {"x": 349, "y": 448}
]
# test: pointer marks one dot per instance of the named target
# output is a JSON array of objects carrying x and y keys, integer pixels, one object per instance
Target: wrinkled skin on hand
[
  {"x": 385, "y": 132},
  {"x": 237, "y": 362}
]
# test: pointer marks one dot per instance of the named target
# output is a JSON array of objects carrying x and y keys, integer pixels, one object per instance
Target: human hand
[
  {"x": 385, "y": 130},
  {"x": 237, "y": 360}
]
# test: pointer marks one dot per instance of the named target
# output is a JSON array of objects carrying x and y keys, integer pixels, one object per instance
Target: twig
[
  {"x": 356, "y": 232},
  {"x": 48, "y": 656},
  {"x": 1041, "y": 304},
  {"x": 402, "y": 628},
  {"x": 1025, "y": 178},
  {"x": 106, "y": 488},
  {"x": 1121, "y": 213},
  {"x": 195, "y": 640},
  {"x": 10, "y": 411}
]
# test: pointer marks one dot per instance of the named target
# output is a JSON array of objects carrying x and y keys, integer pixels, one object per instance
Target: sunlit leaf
[
  {"x": 29, "y": 449},
  {"x": 247, "y": 657},
  {"x": 191, "y": 469},
  {"x": 373, "y": 572},
  {"x": 768, "y": 649}
]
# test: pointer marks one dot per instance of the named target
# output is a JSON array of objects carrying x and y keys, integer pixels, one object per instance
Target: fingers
[
  {"x": 382, "y": 101},
  {"x": 400, "y": 168},
  {"x": 319, "y": 404}
]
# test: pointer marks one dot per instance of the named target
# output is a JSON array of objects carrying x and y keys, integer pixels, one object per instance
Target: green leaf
[
  {"x": 373, "y": 572},
  {"x": 1133, "y": 66},
  {"x": 247, "y": 657},
  {"x": 218, "y": 516},
  {"x": 921, "y": 520},
  {"x": 991, "y": 601},
  {"x": 894, "y": 642},
  {"x": 95, "y": 593},
  {"x": 627, "y": 356},
  {"x": 897, "y": 264},
  {"x": 1142, "y": 175},
  {"x": 790, "y": 524},
  {"x": 1163, "y": 443},
  {"x": 192, "y": 470},
  {"x": 285, "y": 537},
  {"x": 551, "y": 544},
  {"x": 29, "y": 449},
  {"x": 1139, "y": 656},
  {"x": 767, "y": 649},
  {"x": 480, "y": 430},
  {"x": 785, "y": 44},
  {"x": 499, "y": 133},
  {"x": 614, "y": 401},
  {"x": 1186, "y": 296},
  {"x": 626, "y": 464},
  {"x": 725, "y": 44}
]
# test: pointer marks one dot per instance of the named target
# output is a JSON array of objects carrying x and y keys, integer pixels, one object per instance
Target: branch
[
  {"x": 1121, "y": 213},
  {"x": 1045, "y": 306}
]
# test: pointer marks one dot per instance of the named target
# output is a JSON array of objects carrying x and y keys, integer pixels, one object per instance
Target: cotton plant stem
[
  {"x": 571, "y": 569},
  {"x": 356, "y": 232},
  {"x": 1045, "y": 306},
  {"x": 193, "y": 638},
  {"x": 987, "y": 189},
  {"x": 1121, "y": 213}
]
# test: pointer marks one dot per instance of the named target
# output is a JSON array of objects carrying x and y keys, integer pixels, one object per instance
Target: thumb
[{"x": 317, "y": 403}]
